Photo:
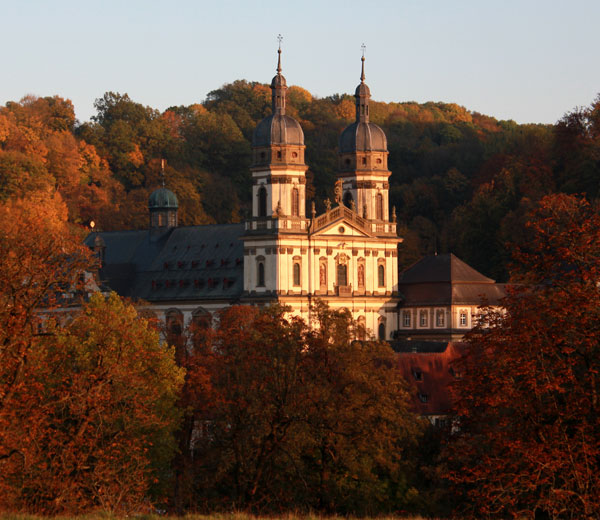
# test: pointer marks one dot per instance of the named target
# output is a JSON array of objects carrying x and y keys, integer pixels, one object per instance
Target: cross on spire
[
  {"x": 362, "y": 72},
  {"x": 279, "y": 38}
]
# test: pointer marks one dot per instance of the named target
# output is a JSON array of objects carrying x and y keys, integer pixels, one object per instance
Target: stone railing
[{"x": 337, "y": 212}]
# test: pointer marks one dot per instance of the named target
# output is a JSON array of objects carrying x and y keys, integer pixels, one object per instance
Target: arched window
[
  {"x": 172, "y": 215},
  {"x": 262, "y": 202},
  {"x": 201, "y": 322},
  {"x": 295, "y": 202},
  {"x": 342, "y": 275},
  {"x": 381, "y": 330},
  {"x": 379, "y": 206},
  {"x": 381, "y": 275},
  {"x": 174, "y": 333},
  {"x": 260, "y": 271},
  {"x": 296, "y": 273},
  {"x": 348, "y": 199}
]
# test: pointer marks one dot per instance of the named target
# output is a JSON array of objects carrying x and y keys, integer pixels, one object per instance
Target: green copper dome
[{"x": 162, "y": 198}]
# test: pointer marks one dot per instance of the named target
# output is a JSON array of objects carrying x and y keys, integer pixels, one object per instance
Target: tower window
[
  {"x": 381, "y": 275},
  {"x": 262, "y": 202},
  {"x": 296, "y": 273},
  {"x": 278, "y": 155},
  {"x": 379, "y": 206},
  {"x": 348, "y": 199},
  {"x": 260, "y": 274},
  {"x": 295, "y": 202},
  {"x": 364, "y": 160}
]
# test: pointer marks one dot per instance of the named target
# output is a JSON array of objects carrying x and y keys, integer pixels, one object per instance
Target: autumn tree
[
  {"x": 527, "y": 440},
  {"x": 87, "y": 391},
  {"x": 298, "y": 418}
]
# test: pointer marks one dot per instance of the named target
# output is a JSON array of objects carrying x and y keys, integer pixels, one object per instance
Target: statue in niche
[
  {"x": 338, "y": 190},
  {"x": 323, "y": 275},
  {"x": 361, "y": 275}
]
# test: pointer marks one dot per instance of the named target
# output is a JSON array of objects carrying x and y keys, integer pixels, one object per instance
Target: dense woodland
[
  {"x": 461, "y": 181},
  {"x": 262, "y": 412}
]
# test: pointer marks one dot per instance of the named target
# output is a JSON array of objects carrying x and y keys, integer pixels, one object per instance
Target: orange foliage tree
[
  {"x": 289, "y": 417},
  {"x": 87, "y": 393},
  {"x": 528, "y": 437}
]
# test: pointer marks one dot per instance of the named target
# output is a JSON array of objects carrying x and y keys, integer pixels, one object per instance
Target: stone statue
[
  {"x": 394, "y": 214},
  {"x": 328, "y": 205},
  {"x": 365, "y": 210},
  {"x": 352, "y": 205},
  {"x": 338, "y": 191},
  {"x": 322, "y": 275},
  {"x": 313, "y": 210}
]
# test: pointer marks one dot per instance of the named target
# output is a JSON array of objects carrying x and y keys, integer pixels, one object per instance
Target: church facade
[{"x": 346, "y": 256}]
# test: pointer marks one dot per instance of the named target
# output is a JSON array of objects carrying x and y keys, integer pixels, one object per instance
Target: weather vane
[
  {"x": 279, "y": 38},
  {"x": 363, "y": 47}
]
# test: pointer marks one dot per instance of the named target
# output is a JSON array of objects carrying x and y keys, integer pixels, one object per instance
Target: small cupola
[{"x": 162, "y": 206}]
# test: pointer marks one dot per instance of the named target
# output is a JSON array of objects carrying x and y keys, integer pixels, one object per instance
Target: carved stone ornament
[{"x": 338, "y": 190}]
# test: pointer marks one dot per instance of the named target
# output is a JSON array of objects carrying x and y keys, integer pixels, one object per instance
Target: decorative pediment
[{"x": 341, "y": 221}]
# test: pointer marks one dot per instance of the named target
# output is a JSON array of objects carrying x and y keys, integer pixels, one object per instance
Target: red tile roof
[{"x": 431, "y": 391}]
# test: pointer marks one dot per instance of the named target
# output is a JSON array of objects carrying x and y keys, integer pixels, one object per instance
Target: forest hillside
[{"x": 461, "y": 181}]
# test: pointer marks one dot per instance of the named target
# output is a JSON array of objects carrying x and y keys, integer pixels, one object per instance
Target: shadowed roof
[
  {"x": 184, "y": 263},
  {"x": 445, "y": 280}
]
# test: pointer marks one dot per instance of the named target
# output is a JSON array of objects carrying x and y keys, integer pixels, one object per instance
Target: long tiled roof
[{"x": 184, "y": 263}]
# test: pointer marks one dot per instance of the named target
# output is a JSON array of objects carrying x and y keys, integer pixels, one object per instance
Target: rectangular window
[
  {"x": 423, "y": 318},
  {"x": 406, "y": 318},
  {"x": 440, "y": 318},
  {"x": 463, "y": 318}
]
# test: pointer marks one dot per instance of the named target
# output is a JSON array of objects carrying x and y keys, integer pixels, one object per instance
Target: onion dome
[
  {"x": 362, "y": 135},
  {"x": 278, "y": 128},
  {"x": 162, "y": 198}
]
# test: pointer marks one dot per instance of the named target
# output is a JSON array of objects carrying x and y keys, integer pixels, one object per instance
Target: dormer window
[
  {"x": 423, "y": 397},
  {"x": 417, "y": 374}
]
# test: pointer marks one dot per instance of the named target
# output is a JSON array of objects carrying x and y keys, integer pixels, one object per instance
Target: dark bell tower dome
[
  {"x": 277, "y": 131},
  {"x": 163, "y": 206},
  {"x": 362, "y": 135},
  {"x": 363, "y": 163}
]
